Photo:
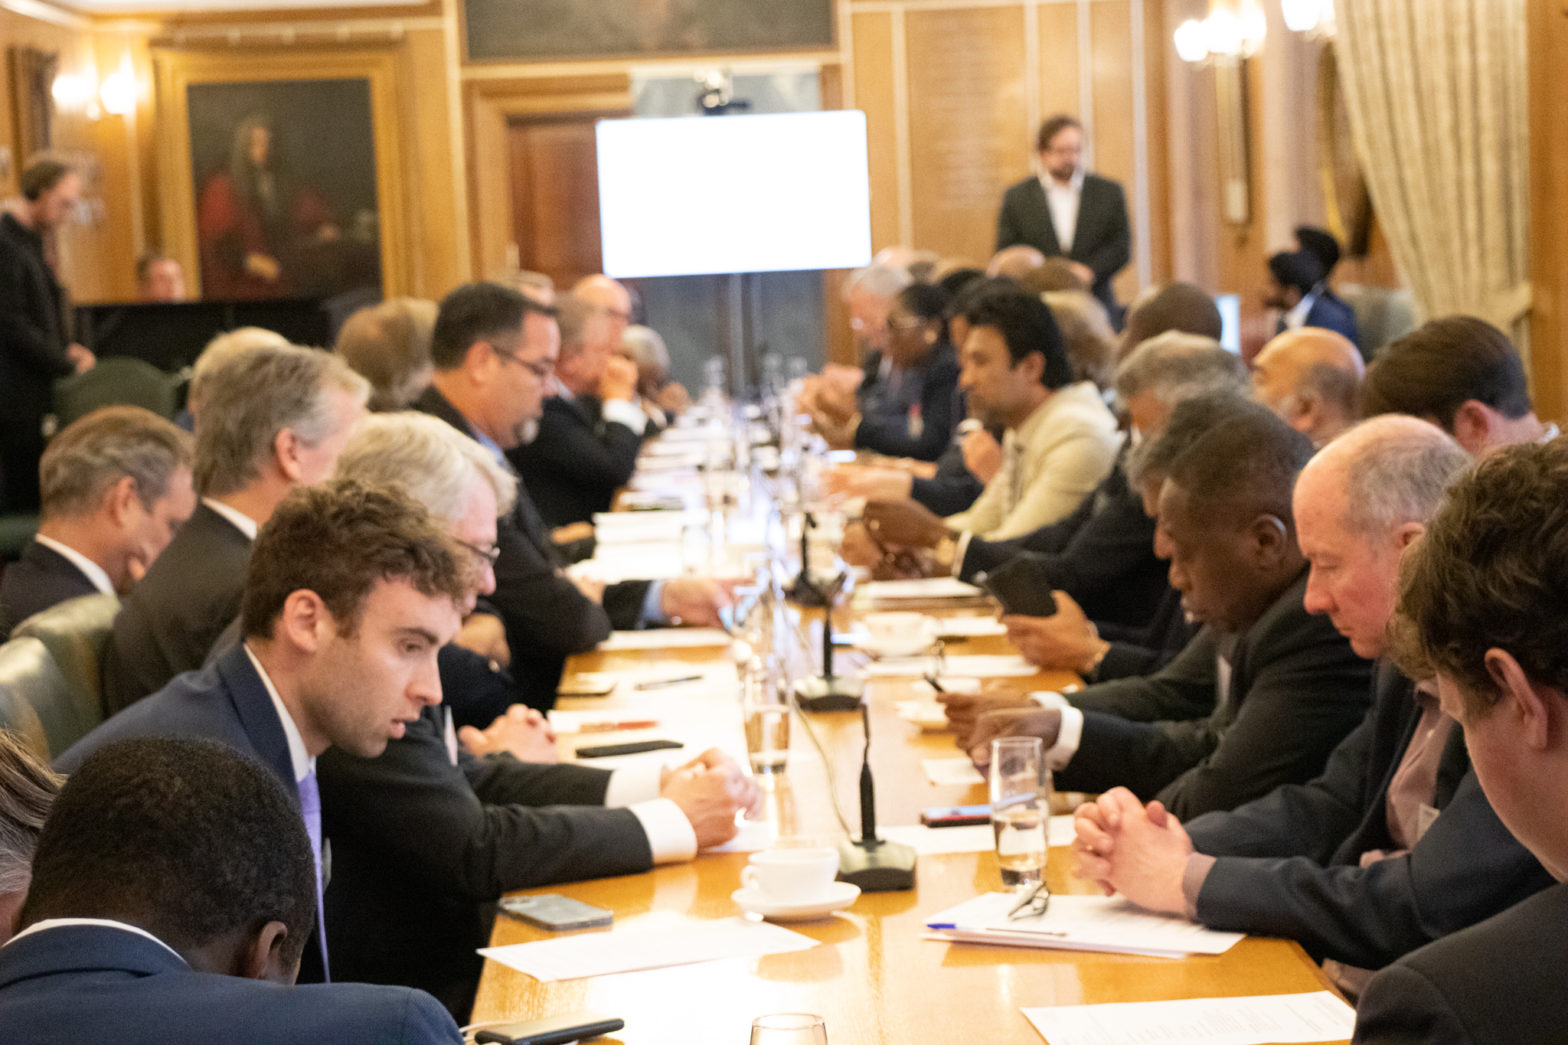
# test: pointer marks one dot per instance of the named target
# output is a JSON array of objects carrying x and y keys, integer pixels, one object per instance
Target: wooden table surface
[{"x": 873, "y": 977}]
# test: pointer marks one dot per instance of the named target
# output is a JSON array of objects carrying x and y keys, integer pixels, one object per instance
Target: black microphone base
[
  {"x": 877, "y": 867},
  {"x": 829, "y": 694}
]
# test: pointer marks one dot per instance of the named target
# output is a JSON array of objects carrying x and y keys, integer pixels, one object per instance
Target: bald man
[
  {"x": 1311, "y": 378},
  {"x": 1015, "y": 262},
  {"x": 609, "y": 297}
]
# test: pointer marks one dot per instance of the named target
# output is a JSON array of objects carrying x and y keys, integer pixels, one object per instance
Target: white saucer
[{"x": 839, "y": 895}]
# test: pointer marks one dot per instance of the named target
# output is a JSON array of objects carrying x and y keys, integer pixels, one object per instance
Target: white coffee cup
[
  {"x": 898, "y": 634},
  {"x": 791, "y": 875}
]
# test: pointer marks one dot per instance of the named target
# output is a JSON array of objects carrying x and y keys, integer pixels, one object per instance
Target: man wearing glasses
[{"x": 494, "y": 351}]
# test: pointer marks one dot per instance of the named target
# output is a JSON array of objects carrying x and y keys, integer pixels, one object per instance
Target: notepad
[
  {"x": 654, "y": 943},
  {"x": 1079, "y": 923},
  {"x": 1259, "y": 1020},
  {"x": 920, "y": 588}
]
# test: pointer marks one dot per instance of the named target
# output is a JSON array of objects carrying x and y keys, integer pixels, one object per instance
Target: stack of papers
[
  {"x": 647, "y": 946},
  {"x": 969, "y": 627},
  {"x": 924, "y": 588},
  {"x": 1264, "y": 1020},
  {"x": 1078, "y": 923}
]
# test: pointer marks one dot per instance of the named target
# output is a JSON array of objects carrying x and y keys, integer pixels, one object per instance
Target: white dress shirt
[
  {"x": 103, "y": 923},
  {"x": 93, "y": 572},
  {"x": 302, "y": 761},
  {"x": 242, "y": 522},
  {"x": 1063, "y": 202}
]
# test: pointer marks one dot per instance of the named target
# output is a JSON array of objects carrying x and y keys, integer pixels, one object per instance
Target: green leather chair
[
  {"x": 116, "y": 381},
  {"x": 74, "y": 633},
  {"x": 29, "y": 679}
]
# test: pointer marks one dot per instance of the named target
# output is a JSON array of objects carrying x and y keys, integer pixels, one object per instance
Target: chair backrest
[
  {"x": 116, "y": 381},
  {"x": 30, "y": 680},
  {"x": 75, "y": 633},
  {"x": 1382, "y": 316}
]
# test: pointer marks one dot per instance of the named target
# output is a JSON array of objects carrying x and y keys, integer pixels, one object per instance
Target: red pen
[{"x": 612, "y": 727}]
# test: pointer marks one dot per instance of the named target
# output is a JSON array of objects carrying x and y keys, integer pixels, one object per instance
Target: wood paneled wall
[
  {"x": 953, "y": 91},
  {"x": 1548, "y": 208}
]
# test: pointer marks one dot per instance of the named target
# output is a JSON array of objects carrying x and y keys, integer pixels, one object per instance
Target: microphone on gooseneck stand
[{"x": 874, "y": 865}]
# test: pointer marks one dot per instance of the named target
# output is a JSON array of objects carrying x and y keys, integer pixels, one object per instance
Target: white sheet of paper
[
  {"x": 983, "y": 666},
  {"x": 1261, "y": 1020},
  {"x": 969, "y": 627},
  {"x": 654, "y": 944},
  {"x": 665, "y": 638},
  {"x": 945, "y": 771},
  {"x": 1083, "y": 923},
  {"x": 971, "y": 838},
  {"x": 920, "y": 588},
  {"x": 927, "y": 714},
  {"x": 753, "y": 837}
]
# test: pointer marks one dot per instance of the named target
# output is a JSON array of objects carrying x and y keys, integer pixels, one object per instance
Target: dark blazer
[
  {"x": 227, "y": 702},
  {"x": 76, "y": 983},
  {"x": 32, "y": 354},
  {"x": 577, "y": 461},
  {"x": 1500, "y": 981},
  {"x": 422, "y": 847},
  {"x": 952, "y": 489},
  {"x": 175, "y": 614},
  {"x": 1143, "y": 651},
  {"x": 1102, "y": 240},
  {"x": 1102, "y": 554},
  {"x": 41, "y": 578},
  {"x": 1289, "y": 863},
  {"x": 1330, "y": 312},
  {"x": 885, "y": 414},
  {"x": 1296, "y": 688},
  {"x": 546, "y": 617}
]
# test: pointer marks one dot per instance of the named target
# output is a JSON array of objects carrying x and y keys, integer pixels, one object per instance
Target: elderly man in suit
[
  {"x": 34, "y": 345},
  {"x": 350, "y": 593},
  {"x": 494, "y": 351},
  {"x": 1479, "y": 610},
  {"x": 173, "y": 892},
  {"x": 1289, "y": 686},
  {"x": 116, "y": 487},
  {"x": 1311, "y": 378},
  {"x": 1394, "y": 844},
  {"x": 272, "y": 418},
  {"x": 1067, "y": 212}
]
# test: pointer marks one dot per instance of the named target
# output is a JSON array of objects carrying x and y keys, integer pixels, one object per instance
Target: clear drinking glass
[
  {"x": 789, "y": 1028},
  {"x": 766, "y": 707},
  {"x": 1020, "y": 809}
]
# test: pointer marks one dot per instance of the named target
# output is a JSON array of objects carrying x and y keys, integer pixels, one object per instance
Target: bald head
[
  {"x": 1359, "y": 503},
  {"x": 604, "y": 294},
  {"x": 1311, "y": 378},
  {"x": 1015, "y": 262}
]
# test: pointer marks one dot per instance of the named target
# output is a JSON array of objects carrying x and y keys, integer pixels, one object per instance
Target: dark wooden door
[{"x": 555, "y": 195}]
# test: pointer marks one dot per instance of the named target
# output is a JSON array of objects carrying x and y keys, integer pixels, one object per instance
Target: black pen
[{"x": 656, "y": 683}]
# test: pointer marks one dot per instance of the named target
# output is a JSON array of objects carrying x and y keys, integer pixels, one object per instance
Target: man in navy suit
[
  {"x": 1298, "y": 286},
  {"x": 1068, "y": 212},
  {"x": 1480, "y": 608},
  {"x": 173, "y": 892},
  {"x": 351, "y": 591},
  {"x": 116, "y": 486}
]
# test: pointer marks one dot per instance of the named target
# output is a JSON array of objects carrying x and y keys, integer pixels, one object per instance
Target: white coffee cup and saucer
[
  {"x": 895, "y": 635},
  {"x": 791, "y": 885}
]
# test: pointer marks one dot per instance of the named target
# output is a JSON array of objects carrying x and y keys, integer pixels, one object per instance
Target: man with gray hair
[
  {"x": 1395, "y": 844},
  {"x": 590, "y": 430},
  {"x": 116, "y": 487},
  {"x": 272, "y": 418},
  {"x": 220, "y": 350}
]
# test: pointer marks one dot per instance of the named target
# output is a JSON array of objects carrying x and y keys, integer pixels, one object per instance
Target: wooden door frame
[{"x": 492, "y": 105}]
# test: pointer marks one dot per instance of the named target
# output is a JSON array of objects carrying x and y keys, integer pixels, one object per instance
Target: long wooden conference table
[{"x": 873, "y": 978}]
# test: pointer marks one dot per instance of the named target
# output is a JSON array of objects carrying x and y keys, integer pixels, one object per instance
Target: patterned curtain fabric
[{"x": 1436, "y": 92}]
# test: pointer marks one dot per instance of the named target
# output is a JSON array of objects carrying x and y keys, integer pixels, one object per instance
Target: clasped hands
[
  {"x": 1138, "y": 850},
  {"x": 710, "y": 790}
]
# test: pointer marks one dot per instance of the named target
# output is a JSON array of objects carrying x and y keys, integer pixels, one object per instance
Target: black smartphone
[
  {"x": 633, "y": 748},
  {"x": 552, "y": 1030},
  {"x": 1022, "y": 585},
  {"x": 555, "y": 912},
  {"x": 956, "y": 816}
]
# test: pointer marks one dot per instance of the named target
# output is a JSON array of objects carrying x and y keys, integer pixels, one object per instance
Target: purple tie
[{"x": 310, "y": 808}]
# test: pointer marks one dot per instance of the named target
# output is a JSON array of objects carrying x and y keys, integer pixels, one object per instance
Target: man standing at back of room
[{"x": 1068, "y": 212}]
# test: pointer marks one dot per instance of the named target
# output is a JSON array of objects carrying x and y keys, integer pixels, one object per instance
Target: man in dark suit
[
  {"x": 494, "y": 351},
  {"x": 172, "y": 893},
  {"x": 35, "y": 347},
  {"x": 1478, "y": 608},
  {"x": 272, "y": 418},
  {"x": 1394, "y": 844},
  {"x": 1298, "y": 286},
  {"x": 1067, "y": 212},
  {"x": 1289, "y": 686},
  {"x": 350, "y": 593},
  {"x": 590, "y": 430},
  {"x": 116, "y": 486}
]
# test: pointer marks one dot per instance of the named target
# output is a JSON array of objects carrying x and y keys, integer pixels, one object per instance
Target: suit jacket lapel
[
  {"x": 258, "y": 717},
  {"x": 1043, "y": 208}
]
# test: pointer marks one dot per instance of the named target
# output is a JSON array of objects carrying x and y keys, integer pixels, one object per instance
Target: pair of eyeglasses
[
  {"x": 1034, "y": 903},
  {"x": 540, "y": 368},
  {"x": 491, "y": 554}
]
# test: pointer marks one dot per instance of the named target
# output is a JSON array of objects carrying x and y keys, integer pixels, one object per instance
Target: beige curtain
[{"x": 1436, "y": 93}]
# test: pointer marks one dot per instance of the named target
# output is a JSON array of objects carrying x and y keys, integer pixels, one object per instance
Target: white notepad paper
[
  {"x": 652, "y": 944},
  {"x": 1262, "y": 1020},
  {"x": 1079, "y": 923}
]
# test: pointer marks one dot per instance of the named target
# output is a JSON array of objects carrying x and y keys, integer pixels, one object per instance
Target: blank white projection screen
[{"x": 720, "y": 194}]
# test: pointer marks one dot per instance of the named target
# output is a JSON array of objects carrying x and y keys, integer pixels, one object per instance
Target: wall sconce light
[
  {"x": 1313, "y": 17},
  {"x": 1226, "y": 35},
  {"x": 118, "y": 94},
  {"x": 71, "y": 92}
]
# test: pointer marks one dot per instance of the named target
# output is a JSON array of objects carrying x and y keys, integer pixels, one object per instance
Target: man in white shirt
[
  {"x": 116, "y": 487},
  {"x": 273, "y": 417},
  {"x": 1067, "y": 212}
]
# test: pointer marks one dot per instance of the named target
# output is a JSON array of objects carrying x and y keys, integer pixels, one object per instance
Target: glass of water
[
  {"x": 789, "y": 1028},
  {"x": 1020, "y": 809},
  {"x": 766, "y": 706}
]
